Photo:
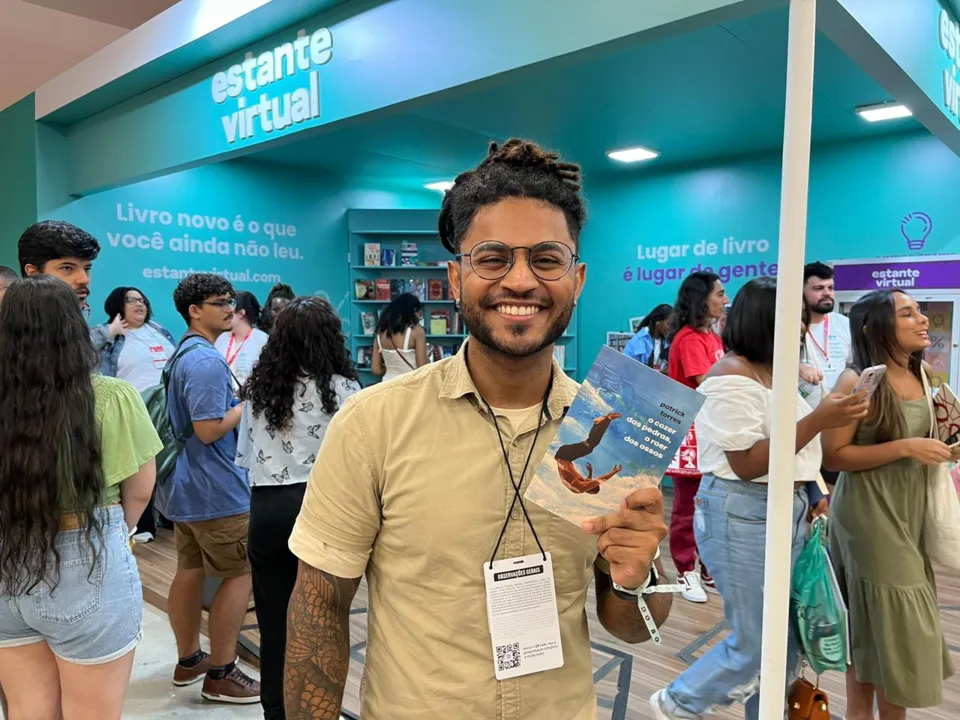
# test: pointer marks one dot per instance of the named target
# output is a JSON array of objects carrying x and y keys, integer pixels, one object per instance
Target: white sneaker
[
  {"x": 144, "y": 537},
  {"x": 656, "y": 704},
  {"x": 694, "y": 591}
]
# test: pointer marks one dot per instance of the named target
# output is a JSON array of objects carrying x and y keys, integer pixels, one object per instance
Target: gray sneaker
[{"x": 660, "y": 711}]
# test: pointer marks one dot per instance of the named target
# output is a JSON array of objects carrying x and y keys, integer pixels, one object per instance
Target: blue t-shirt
[{"x": 207, "y": 484}]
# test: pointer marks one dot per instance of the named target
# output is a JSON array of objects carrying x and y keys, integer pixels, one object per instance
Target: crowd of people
[
  {"x": 291, "y": 483},
  {"x": 876, "y": 454}
]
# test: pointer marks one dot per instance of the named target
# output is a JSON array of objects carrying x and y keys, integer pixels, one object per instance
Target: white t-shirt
[
  {"x": 144, "y": 355},
  {"x": 735, "y": 416},
  {"x": 828, "y": 347},
  {"x": 287, "y": 457},
  {"x": 242, "y": 355}
]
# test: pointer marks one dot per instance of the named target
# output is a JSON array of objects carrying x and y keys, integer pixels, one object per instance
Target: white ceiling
[{"x": 39, "y": 39}]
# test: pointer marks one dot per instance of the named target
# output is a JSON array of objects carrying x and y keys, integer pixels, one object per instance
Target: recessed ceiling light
[
  {"x": 441, "y": 186},
  {"x": 885, "y": 111},
  {"x": 632, "y": 154}
]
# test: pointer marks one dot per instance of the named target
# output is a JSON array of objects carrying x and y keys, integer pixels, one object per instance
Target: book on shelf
[
  {"x": 621, "y": 433},
  {"x": 397, "y": 288},
  {"x": 364, "y": 289},
  {"x": 456, "y": 323},
  {"x": 388, "y": 258},
  {"x": 560, "y": 354},
  {"x": 371, "y": 254},
  {"x": 364, "y": 356},
  {"x": 435, "y": 289},
  {"x": 369, "y": 322},
  {"x": 409, "y": 254},
  {"x": 383, "y": 288},
  {"x": 417, "y": 288},
  {"x": 439, "y": 322}
]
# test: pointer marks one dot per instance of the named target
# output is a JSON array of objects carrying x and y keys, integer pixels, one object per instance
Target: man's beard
[
  {"x": 482, "y": 332},
  {"x": 824, "y": 307}
]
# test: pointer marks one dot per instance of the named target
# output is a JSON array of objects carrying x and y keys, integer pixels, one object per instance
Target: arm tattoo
[{"x": 318, "y": 644}]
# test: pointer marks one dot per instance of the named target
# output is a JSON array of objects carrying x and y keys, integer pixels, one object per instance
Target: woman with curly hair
[
  {"x": 76, "y": 471},
  {"x": 303, "y": 377}
]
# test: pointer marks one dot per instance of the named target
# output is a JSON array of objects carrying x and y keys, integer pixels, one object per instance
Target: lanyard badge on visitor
[{"x": 521, "y": 596}]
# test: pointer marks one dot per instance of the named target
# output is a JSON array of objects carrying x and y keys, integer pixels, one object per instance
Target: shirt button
[{"x": 515, "y": 514}]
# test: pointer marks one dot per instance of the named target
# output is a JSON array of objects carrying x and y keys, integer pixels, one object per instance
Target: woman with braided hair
[{"x": 414, "y": 486}]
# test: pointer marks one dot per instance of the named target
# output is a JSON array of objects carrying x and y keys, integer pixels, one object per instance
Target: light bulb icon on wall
[{"x": 915, "y": 229}]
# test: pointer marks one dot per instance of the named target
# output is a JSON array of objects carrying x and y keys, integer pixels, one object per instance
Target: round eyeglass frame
[{"x": 574, "y": 258}]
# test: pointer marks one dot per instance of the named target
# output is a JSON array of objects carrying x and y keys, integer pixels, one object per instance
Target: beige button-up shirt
[{"x": 410, "y": 487}]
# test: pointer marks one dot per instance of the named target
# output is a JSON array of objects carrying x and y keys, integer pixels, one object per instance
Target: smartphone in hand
[{"x": 870, "y": 379}]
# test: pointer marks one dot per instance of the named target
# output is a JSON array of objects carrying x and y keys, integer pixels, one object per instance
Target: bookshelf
[{"x": 391, "y": 229}]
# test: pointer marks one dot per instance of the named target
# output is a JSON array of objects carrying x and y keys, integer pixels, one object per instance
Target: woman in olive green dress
[{"x": 898, "y": 651}]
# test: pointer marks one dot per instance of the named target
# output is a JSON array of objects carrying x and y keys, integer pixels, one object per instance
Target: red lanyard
[
  {"x": 230, "y": 360},
  {"x": 825, "y": 349}
]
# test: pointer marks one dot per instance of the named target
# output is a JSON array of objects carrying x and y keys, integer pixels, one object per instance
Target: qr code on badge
[{"x": 508, "y": 657}]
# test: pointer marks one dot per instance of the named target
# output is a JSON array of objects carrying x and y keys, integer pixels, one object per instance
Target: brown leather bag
[{"x": 807, "y": 701}]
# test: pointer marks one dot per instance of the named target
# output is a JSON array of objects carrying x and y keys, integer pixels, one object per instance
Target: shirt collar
[{"x": 457, "y": 384}]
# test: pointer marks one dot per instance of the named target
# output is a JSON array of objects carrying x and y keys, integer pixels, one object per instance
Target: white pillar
[{"x": 786, "y": 357}]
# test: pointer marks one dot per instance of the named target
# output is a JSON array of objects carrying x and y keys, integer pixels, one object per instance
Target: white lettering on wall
[
  {"x": 270, "y": 114},
  {"x": 950, "y": 42}
]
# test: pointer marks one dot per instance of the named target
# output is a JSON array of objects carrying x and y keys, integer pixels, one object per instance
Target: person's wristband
[{"x": 651, "y": 581}]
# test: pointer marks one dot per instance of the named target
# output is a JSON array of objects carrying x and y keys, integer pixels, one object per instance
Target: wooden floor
[{"x": 625, "y": 675}]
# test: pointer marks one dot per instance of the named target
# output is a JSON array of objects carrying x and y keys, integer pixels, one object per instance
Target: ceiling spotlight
[
  {"x": 884, "y": 111},
  {"x": 632, "y": 154},
  {"x": 441, "y": 186}
]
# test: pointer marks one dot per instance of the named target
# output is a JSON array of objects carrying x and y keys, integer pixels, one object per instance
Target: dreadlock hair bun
[{"x": 518, "y": 169}]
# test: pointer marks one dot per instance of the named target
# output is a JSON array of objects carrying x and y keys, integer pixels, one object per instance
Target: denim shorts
[{"x": 88, "y": 618}]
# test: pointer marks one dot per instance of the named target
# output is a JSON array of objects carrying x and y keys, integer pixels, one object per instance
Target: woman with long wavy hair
[
  {"x": 77, "y": 468},
  {"x": 886, "y": 461},
  {"x": 303, "y": 377}
]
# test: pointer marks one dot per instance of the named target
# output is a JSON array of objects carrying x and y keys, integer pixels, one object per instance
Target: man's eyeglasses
[
  {"x": 135, "y": 301},
  {"x": 549, "y": 261},
  {"x": 230, "y": 304}
]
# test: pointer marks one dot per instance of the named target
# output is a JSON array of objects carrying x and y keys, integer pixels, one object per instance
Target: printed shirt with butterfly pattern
[{"x": 286, "y": 457}]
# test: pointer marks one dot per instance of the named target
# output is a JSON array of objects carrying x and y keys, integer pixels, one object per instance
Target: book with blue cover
[{"x": 620, "y": 434}]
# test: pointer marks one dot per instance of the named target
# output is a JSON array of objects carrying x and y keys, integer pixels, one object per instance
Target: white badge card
[
  {"x": 159, "y": 356},
  {"x": 522, "y": 614}
]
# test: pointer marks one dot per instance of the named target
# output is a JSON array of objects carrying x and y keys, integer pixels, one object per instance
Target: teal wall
[
  {"x": 18, "y": 177},
  {"x": 231, "y": 210},
  {"x": 859, "y": 195},
  {"x": 388, "y": 54}
]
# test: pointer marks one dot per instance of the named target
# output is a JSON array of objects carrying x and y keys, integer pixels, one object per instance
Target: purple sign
[{"x": 936, "y": 275}]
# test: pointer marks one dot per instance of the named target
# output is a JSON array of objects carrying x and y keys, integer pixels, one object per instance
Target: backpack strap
[{"x": 168, "y": 372}]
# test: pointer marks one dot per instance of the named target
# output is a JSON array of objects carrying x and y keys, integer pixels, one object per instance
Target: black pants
[{"x": 273, "y": 511}]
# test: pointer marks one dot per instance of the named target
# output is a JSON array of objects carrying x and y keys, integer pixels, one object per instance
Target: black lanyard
[{"x": 516, "y": 487}]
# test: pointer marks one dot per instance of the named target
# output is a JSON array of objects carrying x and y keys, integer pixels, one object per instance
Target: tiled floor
[{"x": 151, "y": 693}]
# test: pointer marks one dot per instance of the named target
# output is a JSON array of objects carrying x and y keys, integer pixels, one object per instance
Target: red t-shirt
[{"x": 693, "y": 353}]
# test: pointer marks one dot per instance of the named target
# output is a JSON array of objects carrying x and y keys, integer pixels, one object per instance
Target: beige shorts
[{"x": 218, "y": 546}]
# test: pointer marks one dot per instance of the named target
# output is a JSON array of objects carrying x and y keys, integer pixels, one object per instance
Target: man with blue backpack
[{"x": 207, "y": 495}]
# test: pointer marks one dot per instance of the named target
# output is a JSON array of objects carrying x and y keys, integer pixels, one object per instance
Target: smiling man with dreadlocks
[{"x": 419, "y": 485}]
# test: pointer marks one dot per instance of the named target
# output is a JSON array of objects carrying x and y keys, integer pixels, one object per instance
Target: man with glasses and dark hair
[
  {"x": 419, "y": 484},
  {"x": 207, "y": 496}
]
